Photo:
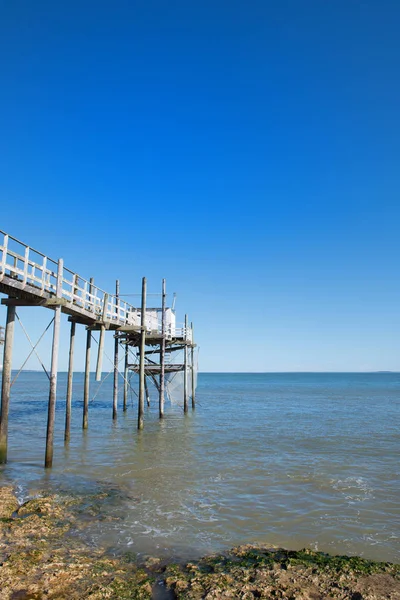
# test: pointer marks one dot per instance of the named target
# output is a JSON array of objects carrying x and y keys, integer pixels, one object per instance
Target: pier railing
[{"x": 36, "y": 273}]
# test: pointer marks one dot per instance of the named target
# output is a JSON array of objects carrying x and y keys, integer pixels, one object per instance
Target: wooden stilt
[
  {"x": 68, "y": 404},
  {"x": 185, "y": 380},
  {"x": 142, "y": 356},
  {"x": 87, "y": 380},
  {"x": 100, "y": 350},
  {"x": 6, "y": 382},
  {"x": 146, "y": 388},
  {"x": 126, "y": 377},
  {"x": 53, "y": 372},
  {"x": 85, "y": 416},
  {"x": 155, "y": 381},
  {"x": 193, "y": 372},
  {"x": 162, "y": 353},
  {"x": 69, "y": 384},
  {"x": 115, "y": 387}
]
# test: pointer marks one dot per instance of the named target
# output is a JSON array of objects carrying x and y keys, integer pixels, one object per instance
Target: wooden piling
[
  {"x": 162, "y": 352},
  {"x": 69, "y": 384},
  {"x": 193, "y": 372},
  {"x": 87, "y": 380},
  {"x": 85, "y": 416},
  {"x": 6, "y": 382},
  {"x": 146, "y": 389},
  {"x": 116, "y": 343},
  {"x": 185, "y": 380},
  {"x": 125, "y": 406},
  {"x": 53, "y": 371},
  {"x": 100, "y": 350},
  {"x": 142, "y": 355}
]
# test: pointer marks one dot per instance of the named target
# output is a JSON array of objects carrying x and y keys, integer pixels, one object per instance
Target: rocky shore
[{"x": 42, "y": 556}]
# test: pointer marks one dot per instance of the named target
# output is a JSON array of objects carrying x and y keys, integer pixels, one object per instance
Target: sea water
[{"x": 293, "y": 460}]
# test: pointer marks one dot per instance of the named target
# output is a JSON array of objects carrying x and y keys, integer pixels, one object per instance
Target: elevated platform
[
  {"x": 132, "y": 339},
  {"x": 30, "y": 278},
  {"x": 155, "y": 369}
]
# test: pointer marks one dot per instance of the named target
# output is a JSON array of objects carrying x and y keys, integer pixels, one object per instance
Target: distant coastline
[{"x": 251, "y": 372}]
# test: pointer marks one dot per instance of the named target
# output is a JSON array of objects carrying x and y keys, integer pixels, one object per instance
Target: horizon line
[{"x": 234, "y": 372}]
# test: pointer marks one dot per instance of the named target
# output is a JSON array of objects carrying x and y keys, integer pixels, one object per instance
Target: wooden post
[
  {"x": 53, "y": 371},
  {"x": 141, "y": 356},
  {"x": 162, "y": 353},
  {"x": 116, "y": 343},
  {"x": 146, "y": 388},
  {"x": 4, "y": 256},
  {"x": 87, "y": 372},
  {"x": 87, "y": 380},
  {"x": 126, "y": 376},
  {"x": 193, "y": 372},
  {"x": 100, "y": 350},
  {"x": 185, "y": 380},
  {"x": 69, "y": 384},
  {"x": 6, "y": 382}
]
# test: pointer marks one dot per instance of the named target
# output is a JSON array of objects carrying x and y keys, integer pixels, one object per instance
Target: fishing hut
[{"x": 149, "y": 338}]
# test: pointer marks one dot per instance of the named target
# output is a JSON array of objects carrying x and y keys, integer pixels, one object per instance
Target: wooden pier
[{"x": 30, "y": 278}]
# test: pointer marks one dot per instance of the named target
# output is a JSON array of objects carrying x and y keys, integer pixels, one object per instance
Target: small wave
[{"x": 354, "y": 489}]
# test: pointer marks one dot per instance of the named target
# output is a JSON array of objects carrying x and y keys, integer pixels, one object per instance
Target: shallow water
[{"x": 284, "y": 459}]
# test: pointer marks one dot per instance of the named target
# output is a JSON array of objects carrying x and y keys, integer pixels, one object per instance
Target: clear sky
[{"x": 246, "y": 151}]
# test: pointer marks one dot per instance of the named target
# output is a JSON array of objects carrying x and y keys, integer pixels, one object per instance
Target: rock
[{"x": 8, "y": 502}]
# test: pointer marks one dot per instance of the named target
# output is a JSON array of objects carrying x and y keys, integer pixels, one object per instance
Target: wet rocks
[
  {"x": 253, "y": 572},
  {"x": 41, "y": 558},
  {"x": 8, "y": 503}
]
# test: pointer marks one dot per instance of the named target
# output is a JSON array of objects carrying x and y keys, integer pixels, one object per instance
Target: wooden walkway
[
  {"x": 33, "y": 279},
  {"x": 30, "y": 278}
]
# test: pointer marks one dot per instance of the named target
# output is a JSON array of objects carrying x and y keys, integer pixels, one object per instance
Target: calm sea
[{"x": 284, "y": 459}]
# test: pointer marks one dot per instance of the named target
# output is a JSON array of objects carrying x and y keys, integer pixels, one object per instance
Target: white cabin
[{"x": 153, "y": 320}]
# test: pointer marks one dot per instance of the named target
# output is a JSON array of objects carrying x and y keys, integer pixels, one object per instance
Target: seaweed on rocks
[{"x": 40, "y": 559}]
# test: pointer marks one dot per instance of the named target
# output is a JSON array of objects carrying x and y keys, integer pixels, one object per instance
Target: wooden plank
[
  {"x": 23, "y": 302},
  {"x": 167, "y": 349},
  {"x": 169, "y": 368},
  {"x": 75, "y": 288},
  {"x": 30, "y": 296},
  {"x": 56, "y": 301},
  {"x": 4, "y": 248},
  {"x": 44, "y": 266},
  {"x": 26, "y": 264}
]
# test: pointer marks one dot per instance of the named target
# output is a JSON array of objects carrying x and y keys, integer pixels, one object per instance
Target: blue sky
[{"x": 246, "y": 151}]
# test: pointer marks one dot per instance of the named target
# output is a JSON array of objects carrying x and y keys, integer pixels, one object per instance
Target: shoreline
[{"x": 42, "y": 556}]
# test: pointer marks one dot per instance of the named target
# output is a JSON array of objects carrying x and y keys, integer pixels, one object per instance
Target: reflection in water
[{"x": 292, "y": 460}]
